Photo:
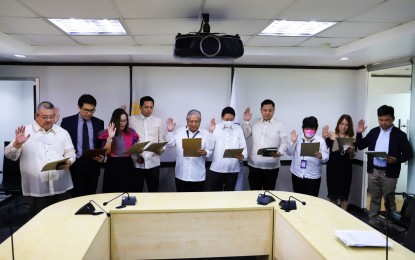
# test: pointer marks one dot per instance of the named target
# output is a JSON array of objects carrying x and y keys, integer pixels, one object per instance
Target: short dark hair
[
  {"x": 386, "y": 111},
  {"x": 228, "y": 110},
  {"x": 146, "y": 98},
  {"x": 86, "y": 99},
  {"x": 310, "y": 122},
  {"x": 267, "y": 102},
  {"x": 45, "y": 105}
]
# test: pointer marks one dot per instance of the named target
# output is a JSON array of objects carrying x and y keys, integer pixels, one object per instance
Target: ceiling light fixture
[
  {"x": 19, "y": 56},
  {"x": 344, "y": 58},
  {"x": 295, "y": 28},
  {"x": 90, "y": 26}
]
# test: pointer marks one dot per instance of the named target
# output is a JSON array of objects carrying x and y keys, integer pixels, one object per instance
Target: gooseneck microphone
[
  {"x": 126, "y": 200},
  {"x": 97, "y": 213},
  {"x": 264, "y": 199},
  {"x": 302, "y": 202}
]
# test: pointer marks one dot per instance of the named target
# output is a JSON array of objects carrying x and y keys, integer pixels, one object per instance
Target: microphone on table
[
  {"x": 264, "y": 199},
  {"x": 290, "y": 204},
  {"x": 89, "y": 209},
  {"x": 125, "y": 201}
]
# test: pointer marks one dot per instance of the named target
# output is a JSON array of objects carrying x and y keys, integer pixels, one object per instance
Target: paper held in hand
[
  {"x": 136, "y": 147},
  {"x": 308, "y": 149},
  {"x": 344, "y": 143},
  {"x": 191, "y": 146},
  {"x": 155, "y": 147},
  {"x": 383, "y": 155},
  {"x": 91, "y": 153},
  {"x": 54, "y": 165},
  {"x": 232, "y": 153},
  {"x": 267, "y": 152}
]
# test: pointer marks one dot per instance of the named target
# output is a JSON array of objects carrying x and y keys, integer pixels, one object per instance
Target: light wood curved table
[{"x": 191, "y": 225}]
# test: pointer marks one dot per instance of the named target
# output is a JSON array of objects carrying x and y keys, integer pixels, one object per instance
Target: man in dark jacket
[
  {"x": 383, "y": 172},
  {"x": 83, "y": 128}
]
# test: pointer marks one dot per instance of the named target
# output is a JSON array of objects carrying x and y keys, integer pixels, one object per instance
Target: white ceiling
[{"x": 368, "y": 31}]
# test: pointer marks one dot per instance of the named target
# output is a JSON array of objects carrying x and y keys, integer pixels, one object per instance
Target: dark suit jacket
[
  {"x": 70, "y": 124},
  {"x": 399, "y": 147}
]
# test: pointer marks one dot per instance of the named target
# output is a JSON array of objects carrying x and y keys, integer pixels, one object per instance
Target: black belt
[{"x": 379, "y": 168}]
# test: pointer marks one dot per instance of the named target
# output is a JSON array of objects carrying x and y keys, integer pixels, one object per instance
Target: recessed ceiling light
[
  {"x": 344, "y": 58},
  {"x": 19, "y": 56},
  {"x": 90, "y": 26},
  {"x": 295, "y": 28}
]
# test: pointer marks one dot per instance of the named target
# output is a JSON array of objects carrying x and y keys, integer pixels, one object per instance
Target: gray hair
[
  {"x": 45, "y": 105},
  {"x": 194, "y": 112}
]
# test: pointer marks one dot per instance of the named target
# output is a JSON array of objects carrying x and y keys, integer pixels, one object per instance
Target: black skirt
[{"x": 118, "y": 174}]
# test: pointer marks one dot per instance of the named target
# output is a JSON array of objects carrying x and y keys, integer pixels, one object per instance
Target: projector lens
[{"x": 210, "y": 45}]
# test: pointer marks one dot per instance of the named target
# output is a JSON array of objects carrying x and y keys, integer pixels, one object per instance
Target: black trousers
[
  {"x": 36, "y": 204},
  {"x": 85, "y": 174},
  {"x": 262, "y": 179},
  {"x": 189, "y": 186},
  {"x": 223, "y": 181},
  {"x": 150, "y": 176},
  {"x": 306, "y": 186}
]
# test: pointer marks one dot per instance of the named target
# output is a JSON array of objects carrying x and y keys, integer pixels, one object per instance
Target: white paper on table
[{"x": 362, "y": 238}]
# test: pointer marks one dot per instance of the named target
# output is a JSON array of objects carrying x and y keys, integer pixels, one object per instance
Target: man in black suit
[
  {"x": 383, "y": 173},
  {"x": 83, "y": 129}
]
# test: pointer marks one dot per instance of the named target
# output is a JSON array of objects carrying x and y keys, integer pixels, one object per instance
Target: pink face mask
[{"x": 309, "y": 133}]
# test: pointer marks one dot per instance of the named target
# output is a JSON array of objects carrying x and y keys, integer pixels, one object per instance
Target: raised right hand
[
  {"x": 20, "y": 136},
  {"x": 247, "y": 114},
  {"x": 361, "y": 126},
  {"x": 111, "y": 130},
  {"x": 294, "y": 136},
  {"x": 170, "y": 124},
  {"x": 325, "y": 131},
  {"x": 212, "y": 125}
]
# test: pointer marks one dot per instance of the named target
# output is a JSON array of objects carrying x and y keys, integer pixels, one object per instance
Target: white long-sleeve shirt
[
  {"x": 190, "y": 169},
  {"x": 313, "y": 164},
  {"x": 227, "y": 138},
  {"x": 41, "y": 148},
  {"x": 148, "y": 129},
  {"x": 265, "y": 134}
]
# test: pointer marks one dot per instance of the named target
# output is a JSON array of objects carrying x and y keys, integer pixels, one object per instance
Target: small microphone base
[
  {"x": 127, "y": 201},
  {"x": 264, "y": 199},
  {"x": 288, "y": 205}
]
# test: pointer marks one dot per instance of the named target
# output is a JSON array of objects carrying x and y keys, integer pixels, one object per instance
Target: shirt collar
[
  {"x": 143, "y": 117},
  {"x": 37, "y": 128},
  {"x": 271, "y": 120},
  {"x": 387, "y": 130}
]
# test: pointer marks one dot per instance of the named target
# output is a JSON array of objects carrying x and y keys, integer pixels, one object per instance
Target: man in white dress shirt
[
  {"x": 36, "y": 145},
  {"x": 149, "y": 128},
  {"x": 266, "y": 132},
  {"x": 227, "y": 135},
  {"x": 190, "y": 171}
]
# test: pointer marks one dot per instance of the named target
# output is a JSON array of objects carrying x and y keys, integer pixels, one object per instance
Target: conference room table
[{"x": 192, "y": 225}]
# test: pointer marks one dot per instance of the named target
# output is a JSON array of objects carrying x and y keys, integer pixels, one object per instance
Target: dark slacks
[
  {"x": 189, "y": 186},
  {"x": 262, "y": 179},
  {"x": 223, "y": 181},
  {"x": 150, "y": 176},
  {"x": 36, "y": 204},
  {"x": 85, "y": 174},
  {"x": 306, "y": 186}
]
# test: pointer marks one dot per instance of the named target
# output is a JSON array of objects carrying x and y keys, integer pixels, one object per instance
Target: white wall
[{"x": 16, "y": 108}]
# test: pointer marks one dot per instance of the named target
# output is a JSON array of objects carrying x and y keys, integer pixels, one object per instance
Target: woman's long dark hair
[
  {"x": 116, "y": 118},
  {"x": 350, "y": 130}
]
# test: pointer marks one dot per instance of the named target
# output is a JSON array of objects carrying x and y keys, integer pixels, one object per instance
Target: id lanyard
[{"x": 187, "y": 132}]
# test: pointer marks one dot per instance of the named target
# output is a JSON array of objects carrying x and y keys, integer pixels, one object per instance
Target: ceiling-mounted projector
[{"x": 204, "y": 44}]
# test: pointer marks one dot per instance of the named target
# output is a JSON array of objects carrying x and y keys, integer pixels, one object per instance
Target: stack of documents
[{"x": 361, "y": 238}]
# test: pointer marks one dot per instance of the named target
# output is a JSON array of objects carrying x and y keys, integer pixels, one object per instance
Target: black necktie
[{"x": 85, "y": 137}]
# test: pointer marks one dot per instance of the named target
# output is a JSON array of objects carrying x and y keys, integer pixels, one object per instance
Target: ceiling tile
[
  {"x": 14, "y": 8},
  {"x": 155, "y": 39},
  {"x": 326, "y": 10},
  {"x": 400, "y": 11},
  {"x": 355, "y": 29},
  {"x": 104, "y": 40},
  {"x": 27, "y": 26},
  {"x": 237, "y": 26},
  {"x": 44, "y": 40},
  {"x": 327, "y": 42},
  {"x": 274, "y": 41},
  {"x": 73, "y": 8},
  {"x": 161, "y": 26},
  {"x": 159, "y": 8},
  {"x": 264, "y": 9}
]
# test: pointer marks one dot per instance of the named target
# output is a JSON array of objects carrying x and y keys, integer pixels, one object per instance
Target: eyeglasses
[
  {"x": 47, "y": 117},
  {"x": 123, "y": 121},
  {"x": 88, "y": 110}
]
